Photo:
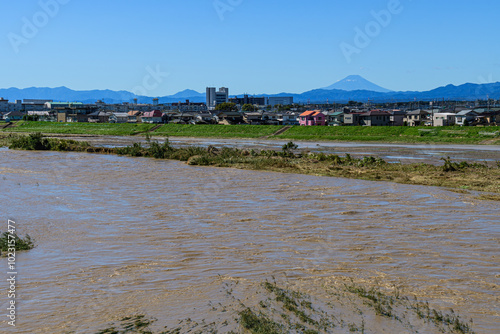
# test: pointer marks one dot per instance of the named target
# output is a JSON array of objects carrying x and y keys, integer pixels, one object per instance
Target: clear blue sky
[{"x": 251, "y": 46}]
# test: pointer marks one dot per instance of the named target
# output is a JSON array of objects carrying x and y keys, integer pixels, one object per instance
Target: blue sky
[{"x": 252, "y": 46}]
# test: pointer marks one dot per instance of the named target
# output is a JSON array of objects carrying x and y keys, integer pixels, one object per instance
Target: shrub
[
  {"x": 32, "y": 142},
  {"x": 25, "y": 243},
  {"x": 198, "y": 160}
]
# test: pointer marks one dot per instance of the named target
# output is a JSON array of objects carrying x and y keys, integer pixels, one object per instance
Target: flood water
[{"x": 117, "y": 236}]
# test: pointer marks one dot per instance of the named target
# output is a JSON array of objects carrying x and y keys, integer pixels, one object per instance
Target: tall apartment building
[
  {"x": 284, "y": 100},
  {"x": 6, "y": 106},
  {"x": 248, "y": 100},
  {"x": 215, "y": 98}
]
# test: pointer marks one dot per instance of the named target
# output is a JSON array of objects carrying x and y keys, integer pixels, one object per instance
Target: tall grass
[
  {"x": 37, "y": 142},
  {"x": 20, "y": 243}
]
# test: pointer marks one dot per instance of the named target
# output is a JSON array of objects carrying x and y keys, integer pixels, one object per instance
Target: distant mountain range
[
  {"x": 356, "y": 82},
  {"x": 353, "y": 88},
  {"x": 91, "y": 96}
]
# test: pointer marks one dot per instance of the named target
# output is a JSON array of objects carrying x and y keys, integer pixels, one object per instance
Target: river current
[{"x": 119, "y": 235}]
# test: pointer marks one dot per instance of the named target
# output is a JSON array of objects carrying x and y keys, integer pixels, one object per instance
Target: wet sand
[{"x": 118, "y": 236}]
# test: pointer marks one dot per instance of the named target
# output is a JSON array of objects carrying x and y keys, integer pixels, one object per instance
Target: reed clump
[{"x": 13, "y": 241}]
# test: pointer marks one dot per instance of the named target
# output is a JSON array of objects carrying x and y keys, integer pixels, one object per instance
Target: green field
[
  {"x": 390, "y": 134},
  {"x": 219, "y": 131},
  {"x": 110, "y": 129},
  {"x": 450, "y": 134}
]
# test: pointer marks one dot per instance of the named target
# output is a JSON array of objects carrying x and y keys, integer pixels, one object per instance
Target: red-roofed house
[
  {"x": 312, "y": 117},
  {"x": 154, "y": 116}
]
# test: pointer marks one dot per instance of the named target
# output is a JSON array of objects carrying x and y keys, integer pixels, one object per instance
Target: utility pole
[{"x": 432, "y": 113}]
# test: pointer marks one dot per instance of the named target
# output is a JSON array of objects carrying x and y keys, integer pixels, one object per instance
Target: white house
[
  {"x": 465, "y": 116},
  {"x": 119, "y": 117},
  {"x": 444, "y": 119}
]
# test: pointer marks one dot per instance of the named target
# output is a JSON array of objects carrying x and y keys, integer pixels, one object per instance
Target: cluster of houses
[
  {"x": 198, "y": 113},
  {"x": 418, "y": 117}
]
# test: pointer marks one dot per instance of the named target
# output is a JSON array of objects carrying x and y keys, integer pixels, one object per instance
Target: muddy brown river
[{"x": 117, "y": 236}]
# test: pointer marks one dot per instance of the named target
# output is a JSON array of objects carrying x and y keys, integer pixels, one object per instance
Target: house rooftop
[{"x": 310, "y": 113}]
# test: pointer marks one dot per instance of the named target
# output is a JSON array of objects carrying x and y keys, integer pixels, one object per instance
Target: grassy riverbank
[
  {"x": 397, "y": 134},
  {"x": 216, "y": 131},
  {"x": 389, "y": 134},
  {"x": 106, "y": 129},
  {"x": 462, "y": 176}
]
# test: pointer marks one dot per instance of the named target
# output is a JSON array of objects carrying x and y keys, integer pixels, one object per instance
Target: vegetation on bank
[
  {"x": 390, "y": 134},
  {"x": 281, "y": 310},
  {"x": 37, "y": 142},
  {"x": 16, "y": 242},
  {"x": 461, "y": 175}
]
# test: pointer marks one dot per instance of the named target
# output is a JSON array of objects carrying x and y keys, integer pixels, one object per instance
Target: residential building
[
  {"x": 288, "y": 118},
  {"x": 397, "y": 117},
  {"x": 352, "y": 118},
  {"x": 488, "y": 116},
  {"x": 375, "y": 118},
  {"x": 443, "y": 119},
  {"x": 335, "y": 118},
  {"x": 204, "y": 118},
  {"x": 465, "y": 117},
  {"x": 34, "y": 104},
  {"x": 13, "y": 116},
  {"x": 253, "y": 118},
  {"x": 230, "y": 117},
  {"x": 182, "y": 117},
  {"x": 6, "y": 106},
  {"x": 283, "y": 100},
  {"x": 124, "y": 107},
  {"x": 416, "y": 117},
  {"x": 118, "y": 117},
  {"x": 188, "y": 106},
  {"x": 312, "y": 118},
  {"x": 270, "y": 118},
  {"x": 368, "y": 118},
  {"x": 46, "y": 116},
  {"x": 134, "y": 116},
  {"x": 154, "y": 116},
  {"x": 260, "y": 101},
  {"x": 69, "y": 116},
  {"x": 214, "y": 98},
  {"x": 53, "y": 105}
]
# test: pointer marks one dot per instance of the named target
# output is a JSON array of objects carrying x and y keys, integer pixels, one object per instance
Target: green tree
[
  {"x": 248, "y": 107},
  {"x": 227, "y": 106},
  {"x": 30, "y": 118}
]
